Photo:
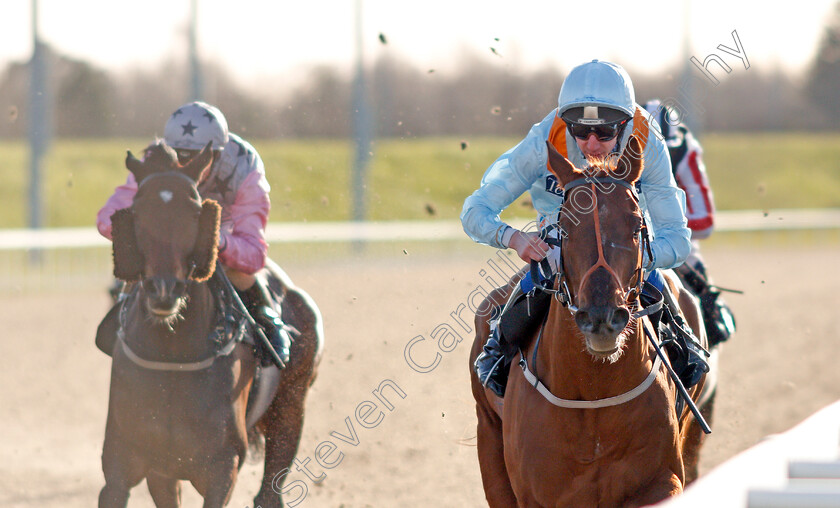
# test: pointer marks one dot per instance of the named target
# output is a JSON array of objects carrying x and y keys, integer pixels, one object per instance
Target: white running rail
[{"x": 278, "y": 232}]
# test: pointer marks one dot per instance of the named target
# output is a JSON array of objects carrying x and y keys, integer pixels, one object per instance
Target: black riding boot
[
  {"x": 515, "y": 327},
  {"x": 260, "y": 304},
  {"x": 106, "y": 332},
  {"x": 492, "y": 366},
  {"x": 684, "y": 350},
  {"x": 717, "y": 316}
]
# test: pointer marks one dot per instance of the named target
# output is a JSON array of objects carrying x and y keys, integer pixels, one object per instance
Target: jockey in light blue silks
[{"x": 596, "y": 115}]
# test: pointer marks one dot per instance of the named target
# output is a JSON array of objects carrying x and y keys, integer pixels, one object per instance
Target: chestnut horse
[
  {"x": 179, "y": 382},
  {"x": 589, "y": 415}
]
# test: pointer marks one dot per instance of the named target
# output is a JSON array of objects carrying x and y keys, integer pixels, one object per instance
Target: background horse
[
  {"x": 180, "y": 380},
  {"x": 602, "y": 429}
]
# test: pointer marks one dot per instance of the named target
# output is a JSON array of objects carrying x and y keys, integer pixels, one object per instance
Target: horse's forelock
[
  {"x": 160, "y": 156},
  {"x": 601, "y": 166}
]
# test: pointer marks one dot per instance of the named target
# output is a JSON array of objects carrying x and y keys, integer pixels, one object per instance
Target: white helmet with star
[{"x": 195, "y": 124}]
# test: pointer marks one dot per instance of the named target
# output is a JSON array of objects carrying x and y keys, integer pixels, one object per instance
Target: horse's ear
[
  {"x": 198, "y": 164},
  {"x": 206, "y": 246},
  {"x": 136, "y": 166},
  {"x": 128, "y": 260},
  {"x": 562, "y": 167},
  {"x": 631, "y": 163}
]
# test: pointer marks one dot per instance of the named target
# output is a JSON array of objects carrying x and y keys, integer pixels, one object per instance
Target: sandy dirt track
[{"x": 781, "y": 367}]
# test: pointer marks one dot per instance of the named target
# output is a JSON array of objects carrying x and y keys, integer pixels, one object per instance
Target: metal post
[
  {"x": 39, "y": 126},
  {"x": 361, "y": 127},
  {"x": 692, "y": 120},
  {"x": 196, "y": 80}
]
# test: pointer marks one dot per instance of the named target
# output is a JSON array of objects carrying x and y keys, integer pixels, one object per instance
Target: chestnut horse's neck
[{"x": 565, "y": 367}]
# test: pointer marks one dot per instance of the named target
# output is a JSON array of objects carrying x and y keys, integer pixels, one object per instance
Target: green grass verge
[{"x": 413, "y": 179}]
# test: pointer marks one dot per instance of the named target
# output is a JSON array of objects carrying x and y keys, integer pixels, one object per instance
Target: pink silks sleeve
[
  {"x": 122, "y": 197},
  {"x": 242, "y": 244}
]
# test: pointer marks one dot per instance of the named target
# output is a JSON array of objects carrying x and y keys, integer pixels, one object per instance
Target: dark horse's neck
[
  {"x": 569, "y": 371},
  {"x": 184, "y": 338}
]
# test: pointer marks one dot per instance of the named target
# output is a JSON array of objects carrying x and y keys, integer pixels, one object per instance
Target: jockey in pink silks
[{"x": 236, "y": 180}]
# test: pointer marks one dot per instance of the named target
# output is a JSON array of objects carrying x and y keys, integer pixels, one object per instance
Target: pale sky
[{"x": 278, "y": 39}]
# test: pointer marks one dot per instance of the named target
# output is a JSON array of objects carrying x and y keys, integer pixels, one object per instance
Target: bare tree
[{"x": 824, "y": 76}]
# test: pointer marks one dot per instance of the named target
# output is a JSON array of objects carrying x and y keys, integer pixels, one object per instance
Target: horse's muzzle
[
  {"x": 602, "y": 325},
  {"x": 164, "y": 295}
]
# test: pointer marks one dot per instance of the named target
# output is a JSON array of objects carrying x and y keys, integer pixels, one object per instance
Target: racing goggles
[{"x": 602, "y": 131}]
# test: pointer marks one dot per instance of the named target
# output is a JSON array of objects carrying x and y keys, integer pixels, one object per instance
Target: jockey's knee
[
  {"x": 239, "y": 279},
  {"x": 656, "y": 279},
  {"x": 496, "y": 300}
]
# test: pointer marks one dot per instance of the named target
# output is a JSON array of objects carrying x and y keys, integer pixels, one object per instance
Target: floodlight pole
[
  {"x": 687, "y": 88},
  {"x": 39, "y": 125},
  {"x": 197, "y": 88},
  {"x": 361, "y": 127}
]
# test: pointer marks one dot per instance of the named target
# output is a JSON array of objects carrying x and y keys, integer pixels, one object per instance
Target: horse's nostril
[
  {"x": 179, "y": 288},
  {"x": 620, "y": 318},
  {"x": 584, "y": 321},
  {"x": 163, "y": 292},
  {"x": 602, "y": 319}
]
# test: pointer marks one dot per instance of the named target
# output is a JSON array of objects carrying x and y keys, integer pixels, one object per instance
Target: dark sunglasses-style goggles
[{"x": 602, "y": 131}]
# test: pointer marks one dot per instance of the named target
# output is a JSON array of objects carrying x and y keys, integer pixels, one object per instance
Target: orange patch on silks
[
  {"x": 641, "y": 128},
  {"x": 557, "y": 137}
]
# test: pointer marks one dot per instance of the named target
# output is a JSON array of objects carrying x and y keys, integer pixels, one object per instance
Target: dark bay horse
[
  {"x": 179, "y": 383},
  {"x": 589, "y": 415}
]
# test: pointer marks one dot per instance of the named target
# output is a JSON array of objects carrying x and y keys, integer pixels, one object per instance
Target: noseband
[{"x": 563, "y": 294}]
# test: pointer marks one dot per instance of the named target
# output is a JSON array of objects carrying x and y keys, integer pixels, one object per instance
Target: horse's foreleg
[
  {"x": 692, "y": 441},
  {"x": 113, "y": 496},
  {"x": 491, "y": 459},
  {"x": 667, "y": 485},
  {"x": 122, "y": 469},
  {"x": 166, "y": 492},
  {"x": 692, "y": 436},
  {"x": 491, "y": 454},
  {"x": 217, "y": 486}
]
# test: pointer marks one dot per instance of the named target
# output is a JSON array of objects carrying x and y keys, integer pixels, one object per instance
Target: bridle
[
  {"x": 562, "y": 293},
  {"x": 631, "y": 297},
  {"x": 565, "y": 297},
  {"x": 182, "y": 284}
]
